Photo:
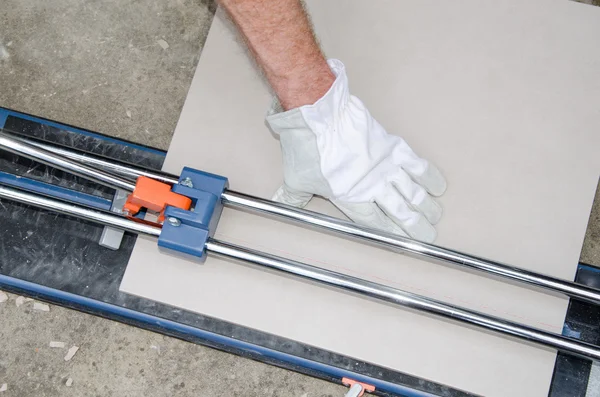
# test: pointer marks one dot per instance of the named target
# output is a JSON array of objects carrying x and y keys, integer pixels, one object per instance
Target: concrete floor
[{"x": 121, "y": 67}]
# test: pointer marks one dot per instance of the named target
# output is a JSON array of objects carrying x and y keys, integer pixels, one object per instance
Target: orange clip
[
  {"x": 349, "y": 382},
  {"x": 155, "y": 196}
]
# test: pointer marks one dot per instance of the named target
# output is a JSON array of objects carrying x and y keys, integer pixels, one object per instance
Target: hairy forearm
[{"x": 279, "y": 35}]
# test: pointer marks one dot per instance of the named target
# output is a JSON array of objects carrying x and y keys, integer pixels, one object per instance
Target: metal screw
[
  {"x": 187, "y": 182},
  {"x": 173, "y": 221}
]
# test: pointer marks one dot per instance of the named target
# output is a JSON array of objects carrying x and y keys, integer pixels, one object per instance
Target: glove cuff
[{"x": 323, "y": 111}]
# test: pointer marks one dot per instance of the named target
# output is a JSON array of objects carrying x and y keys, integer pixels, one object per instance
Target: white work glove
[{"x": 337, "y": 150}]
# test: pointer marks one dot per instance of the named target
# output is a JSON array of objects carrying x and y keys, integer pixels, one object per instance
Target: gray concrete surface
[
  {"x": 121, "y": 67},
  {"x": 592, "y": 2},
  {"x": 89, "y": 63},
  {"x": 591, "y": 246}
]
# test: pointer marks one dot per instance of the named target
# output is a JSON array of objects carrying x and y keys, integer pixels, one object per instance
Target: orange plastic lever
[
  {"x": 155, "y": 196},
  {"x": 366, "y": 388}
]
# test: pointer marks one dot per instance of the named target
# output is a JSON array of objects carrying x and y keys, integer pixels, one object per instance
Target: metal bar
[
  {"x": 125, "y": 171},
  {"x": 412, "y": 247},
  {"x": 22, "y": 148},
  {"x": 405, "y": 299},
  {"x": 330, "y": 278},
  {"x": 382, "y": 239},
  {"x": 62, "y": 207},
  {"x": 59, "y": 192}
]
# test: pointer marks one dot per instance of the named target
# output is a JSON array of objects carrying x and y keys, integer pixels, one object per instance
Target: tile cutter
[{"x": 189, "y": 229}]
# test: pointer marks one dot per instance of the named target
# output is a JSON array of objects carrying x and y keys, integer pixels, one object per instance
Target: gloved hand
[{"x": 337, "y": 150}]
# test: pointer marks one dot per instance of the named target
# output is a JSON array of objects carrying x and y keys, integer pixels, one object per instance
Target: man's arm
[
  {"x": 334, "y": 148},
  {"x": 280, "y": 36}
]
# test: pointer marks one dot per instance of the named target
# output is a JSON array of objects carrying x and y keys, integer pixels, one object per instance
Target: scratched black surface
[
  {"x": 63, "y": 253},
  {"x": 571, "y": 374}
]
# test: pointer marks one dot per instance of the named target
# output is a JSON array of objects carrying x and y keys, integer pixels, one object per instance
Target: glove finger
[
  {"x": 416, "y": 196},
  {"x": 412, "y": 222},
  {"x": 420, "y": 170},
  {"x": 370, "y": 215},
  {"x": 431, "y": 179},
  {"x": 293, "y": 197}
]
